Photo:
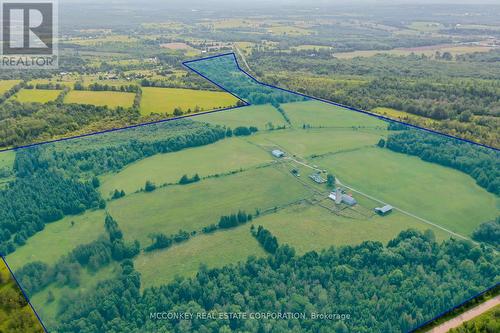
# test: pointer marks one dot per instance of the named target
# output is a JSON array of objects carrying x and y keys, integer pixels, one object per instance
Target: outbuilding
[
  {"x": 383, "y": 211},
  {"x": 278, "y": 153}
]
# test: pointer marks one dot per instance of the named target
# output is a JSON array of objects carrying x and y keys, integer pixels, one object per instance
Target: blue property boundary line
[
  {"x": 186, "y": 64},
  {"x": 125, "y": 128},
  {"x": 245, "y": 103},
  {"x": 454, "y": 308},
  {"x": 24, "y": 294}
]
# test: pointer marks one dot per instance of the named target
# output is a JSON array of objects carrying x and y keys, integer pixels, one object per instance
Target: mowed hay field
[
  {"x": 36, "y": 96},
  {"x": 224, "y": 156},
  {"x": 441, "y": 195},
  {"x": 192, "y": 207},
  {"x": 259, "y": 116},
  {"x": 110, "y": 99},
  {"x": 165, "y": 100},
  {"x": 319, "y": 114},
  {"x": 5, "y": 85}
]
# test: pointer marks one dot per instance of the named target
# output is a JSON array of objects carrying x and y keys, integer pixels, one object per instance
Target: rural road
[{"x": 466, "y": 316}]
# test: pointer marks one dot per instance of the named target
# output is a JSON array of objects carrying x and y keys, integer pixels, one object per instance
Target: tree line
[{"x": 403, "y": 279}]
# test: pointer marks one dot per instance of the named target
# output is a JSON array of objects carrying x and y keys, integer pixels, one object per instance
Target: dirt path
[{"x": 466, "y": 316}]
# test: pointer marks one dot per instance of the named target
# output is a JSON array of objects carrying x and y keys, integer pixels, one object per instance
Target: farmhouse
[
  {"x": 278, "y": 153},
  {"x": 383, "y": 211},
  {"x": 339, "y": 198},
  {"x": 316, "y": 177}
]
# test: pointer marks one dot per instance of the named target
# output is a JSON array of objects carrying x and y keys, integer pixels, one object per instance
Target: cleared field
[
  {"x": 308, "y": 228},
  {"x": 110, "y": 99},
  {"x": 165, "y": 100},
  {"x": 225, "y": 156},
  {"x": 318, "y": 141},
  {"x": 7, "y": 159},
  {"x": 441, "y": 195},
  {"x": 59, "y": 238},
  {"x": 312, "y": 47},
  {"x": 36, "y": 95},
  {"x": 215, "y": 250},
  {"x": 191, "y": 207},
  {"x": 259, "y": 116},
  {"x": 7, "y": 84},
  {"x": 316, "y": 113}
]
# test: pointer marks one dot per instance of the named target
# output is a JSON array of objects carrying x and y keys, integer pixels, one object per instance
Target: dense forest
[
  {"x": 482, "y": 164},
  {"x": 403, "y": 280},
  {"x": 488, "y": 232}
]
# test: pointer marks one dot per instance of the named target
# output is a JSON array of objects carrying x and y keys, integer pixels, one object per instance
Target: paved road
[{"x": 466, "y": 316}]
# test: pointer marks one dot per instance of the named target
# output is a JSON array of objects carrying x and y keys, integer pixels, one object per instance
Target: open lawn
[
  {"x": 165, "y": 100},
  {"x": 192, "y": 207},
  {"x": 36, "y": 96},
  {"x": 214, "y": 250},
  {"x": 260, "y": 116},
  {"x": 224, "y": 156},
  {"x": 316, "y": 113},
  {"x": 59, "y": 238},
  {"x": 111, "y": 99},
  {"x": 7, "y": 84},
  {"x": 7, "y": 159},
  {"x": 441, "y": 195}
]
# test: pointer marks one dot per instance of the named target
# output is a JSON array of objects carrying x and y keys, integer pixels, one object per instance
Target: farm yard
[{"x": 166, "y": 100}]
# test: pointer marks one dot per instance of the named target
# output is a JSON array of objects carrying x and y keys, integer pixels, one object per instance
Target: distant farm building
[
  {"x": 316, "y": 177},
  {"x": 383, "y": 211},
  {"x": 278, "y": 153},
  {"x": 339, "y": 198}
]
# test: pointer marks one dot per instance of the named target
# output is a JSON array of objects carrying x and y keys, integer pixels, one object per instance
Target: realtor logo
[{"x": 28, "y": 33}]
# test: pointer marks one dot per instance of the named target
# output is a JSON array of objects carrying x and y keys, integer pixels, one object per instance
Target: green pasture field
[
  {"x": 59, "y": 238},
  {"x": 215, "y": 250},
  {"x": 307, "y": 227},
  {"x": 7, "y": 159},
  {"x": 165, "y": 100},
  {"x": 36, "y": 96},
  {"x": 259, "y": 116},
  {"x": 192, "y": 207},
  {"x": 224, "y": 156},
  {"x": 441, "y": 195},
  {"x": 318, "y": 141},
  {"x": 316, "y": 114},
  {"x": 110, "y": 99},
  {"x": 5, "y": 85}
]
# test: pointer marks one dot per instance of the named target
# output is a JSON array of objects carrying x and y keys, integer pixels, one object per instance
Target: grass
[
  {"x": 428, "y": 51},
  {"x": 221, "y": 157},
  {"x": 165, "y": 100},
  {"x": 308, "y": 228},
  {"x": 215, "y": 250},
  {"x": 36, "y": 96},
  {"x": 7, "y": 159},
  {"x": 6, "y": 85},
  {"x": 316, "y": 113},
  {"x": 259, "y": 116},
  {"x": 194, "y": 206},
  {"x": 110, "y": 99},
  {"x": 58, "y": 239},
  {"x": 419, "y": 187},
  {"x": 318, "y": 141}
]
